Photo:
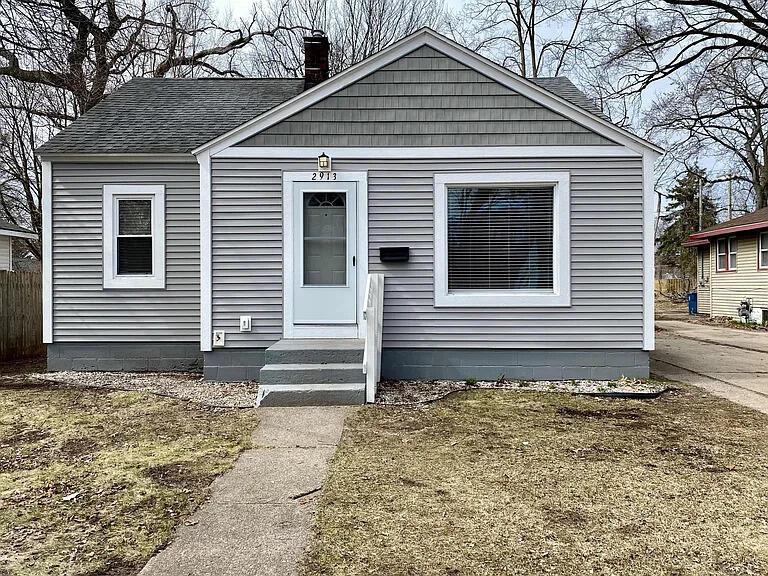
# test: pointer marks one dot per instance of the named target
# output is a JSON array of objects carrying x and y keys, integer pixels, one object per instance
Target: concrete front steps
[{"x": 313, "y": 372}]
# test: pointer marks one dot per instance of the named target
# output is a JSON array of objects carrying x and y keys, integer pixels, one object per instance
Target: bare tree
[
  {"x": 531, "y": 37},
  {"x": 86, "y": 47},
  {"x": 21, "y": 128},
  {"x": 654, "y": 39},
  {"x": 717, "y": 111},
  {"x": 58, "y": 59},
  {"x": 355, "y": 28}
]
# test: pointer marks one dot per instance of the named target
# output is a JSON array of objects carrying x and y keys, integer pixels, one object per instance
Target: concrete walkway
[
  {"x": 258, "y": 519},
  {"x": 725, "y": 361}
]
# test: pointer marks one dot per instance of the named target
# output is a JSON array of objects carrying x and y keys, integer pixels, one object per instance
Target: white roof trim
[
  {"x": 16, "y": 234},
  {"x": 427, "y": 37},
  {"x": 122, "y": 157}
]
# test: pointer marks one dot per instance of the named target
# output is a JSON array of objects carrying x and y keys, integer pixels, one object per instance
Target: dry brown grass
[
  {"x": 522, "y": 483},
  {"x": 94, "y": 481}
]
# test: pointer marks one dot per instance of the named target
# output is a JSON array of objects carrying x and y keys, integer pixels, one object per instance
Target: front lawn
[
  {"x": 94, "y": 481},
  {"x": 494, "y": 482}
]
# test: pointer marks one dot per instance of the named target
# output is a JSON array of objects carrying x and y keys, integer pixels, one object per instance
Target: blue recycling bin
[{"x": 693, "y": 302}]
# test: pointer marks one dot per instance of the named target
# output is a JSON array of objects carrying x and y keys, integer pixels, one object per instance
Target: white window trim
[
  {"x": 112, "y": 193},
  {"x": 728, "y": 252},
  {"x": 760, "y": 249},
  {"x": 561, "y": 263}
]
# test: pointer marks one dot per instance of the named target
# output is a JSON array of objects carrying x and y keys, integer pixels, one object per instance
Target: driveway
[{"x": 725, "y": 361}]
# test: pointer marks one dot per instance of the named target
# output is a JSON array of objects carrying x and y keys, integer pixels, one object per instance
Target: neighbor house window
[
  {"x": 763, "y": 250},
  {"x": 726, "y": 254},
  {"x": 134, "y": 236},
  {"x": 502, "y": 239}
]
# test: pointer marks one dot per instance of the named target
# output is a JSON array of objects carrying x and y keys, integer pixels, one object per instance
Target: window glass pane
[
  {"x": 134, "y": 255},
  {"x": 135, "y": 217},
  {"x": 325, "y": 239},
  {"x": 732, "y": 243},
  {"x": 500, "y": 238},
  {"x": 763, "y": 250}
]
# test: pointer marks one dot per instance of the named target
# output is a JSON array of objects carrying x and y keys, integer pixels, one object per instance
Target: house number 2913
[{"x": 324, "y": 176}]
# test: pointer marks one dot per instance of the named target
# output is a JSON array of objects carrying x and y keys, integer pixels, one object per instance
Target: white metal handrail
[{"x": 373, "y": 312}]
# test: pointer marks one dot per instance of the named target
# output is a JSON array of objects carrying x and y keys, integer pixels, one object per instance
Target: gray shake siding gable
[
  {"x": 606, "y": 256},
  {"x": 83, "y": 311},
  {"x": 427, "y": 99}
]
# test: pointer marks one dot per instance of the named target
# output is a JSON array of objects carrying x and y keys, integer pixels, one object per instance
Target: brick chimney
[{"x": 316, "y": 49}]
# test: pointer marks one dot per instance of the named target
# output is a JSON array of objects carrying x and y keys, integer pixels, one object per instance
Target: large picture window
[
  {"x": 134, "y": 236},
  {"x": 502, "y": 239}
]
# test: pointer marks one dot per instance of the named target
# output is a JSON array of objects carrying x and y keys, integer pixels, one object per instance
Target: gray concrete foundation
[
  {"x": 125, "y": 356},
  {"x": 233, "y": 365},
  {"x": 488, "y": 364}
]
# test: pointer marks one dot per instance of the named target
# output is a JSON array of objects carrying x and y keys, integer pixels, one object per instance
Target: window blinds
[{"x": 500, "y": 238}]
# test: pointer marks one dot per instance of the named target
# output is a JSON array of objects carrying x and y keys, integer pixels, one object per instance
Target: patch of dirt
[
  {"x": 25, "y": 366},
  {"x": 116, "y": 567},
  {"x": 77, "y": 447},
  {"x": 565, "y": 517},
  {"x": 599, "y": 414},
  {"x": 178, "y": 475},
  {"x": 24, "y": 436}
]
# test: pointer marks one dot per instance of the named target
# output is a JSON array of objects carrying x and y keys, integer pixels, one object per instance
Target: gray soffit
[
  {"x": 170, "y": 115},
  {"x": 175, "y": 116}
]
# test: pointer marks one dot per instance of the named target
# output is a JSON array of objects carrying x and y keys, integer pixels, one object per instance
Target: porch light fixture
[{"x": 323, "y": 163}]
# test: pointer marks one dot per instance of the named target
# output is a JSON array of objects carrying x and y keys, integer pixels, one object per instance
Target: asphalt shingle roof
[
  {"x": 172, "y": 115},
  {"x": 563, "y": 87},
  {"x": 757, "y": 217},
  {"x": 5, "y": 225}
]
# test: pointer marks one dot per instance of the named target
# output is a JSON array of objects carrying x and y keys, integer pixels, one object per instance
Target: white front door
[{"x": 325, "y": 257}]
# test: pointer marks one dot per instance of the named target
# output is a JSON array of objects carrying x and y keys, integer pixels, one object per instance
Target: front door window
[{"x": 325, "y": 239}]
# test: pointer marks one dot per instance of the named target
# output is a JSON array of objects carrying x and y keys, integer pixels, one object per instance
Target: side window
[
  {"x": 763, "y": 250},
  {"x": 722, "y": 254},
  {"x": 727, "y": 249},
  {"x": 134, "y": 236}
]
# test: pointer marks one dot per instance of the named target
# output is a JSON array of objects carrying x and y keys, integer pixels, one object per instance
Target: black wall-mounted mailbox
[{"x": 394, "y": 253}]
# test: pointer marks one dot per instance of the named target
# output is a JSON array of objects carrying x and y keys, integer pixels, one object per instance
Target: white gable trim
[
  {"x": 427, "y": 37},
  {"x": 428, "y": 152}
]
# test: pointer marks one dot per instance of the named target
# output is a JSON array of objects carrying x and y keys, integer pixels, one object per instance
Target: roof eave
[
  {"x": 729, "y": 230},
  {"x": 116, "y": 157},
  {"x": 18, "y": 234},
  {"x": 693, "y": 243}
]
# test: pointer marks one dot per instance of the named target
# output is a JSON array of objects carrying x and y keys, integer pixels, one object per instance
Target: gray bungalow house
[{"x": 424, "y": 214}]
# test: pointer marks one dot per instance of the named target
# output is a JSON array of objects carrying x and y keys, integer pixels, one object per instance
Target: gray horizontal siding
[
  {"x": 83, "y": 311},
  {"x": 426, "y": 99},
  {"x": 606, "y": 256}
]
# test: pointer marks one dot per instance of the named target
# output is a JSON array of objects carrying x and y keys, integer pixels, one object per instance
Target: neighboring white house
[
  {"x": 8, "y": 233},
  {"x": 245, "y": 225}
]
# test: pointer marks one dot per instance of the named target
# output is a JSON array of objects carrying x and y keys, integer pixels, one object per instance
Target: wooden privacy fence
[
  {"x": 667, "y": 286},
  {"x": 21, "y": 315}
]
